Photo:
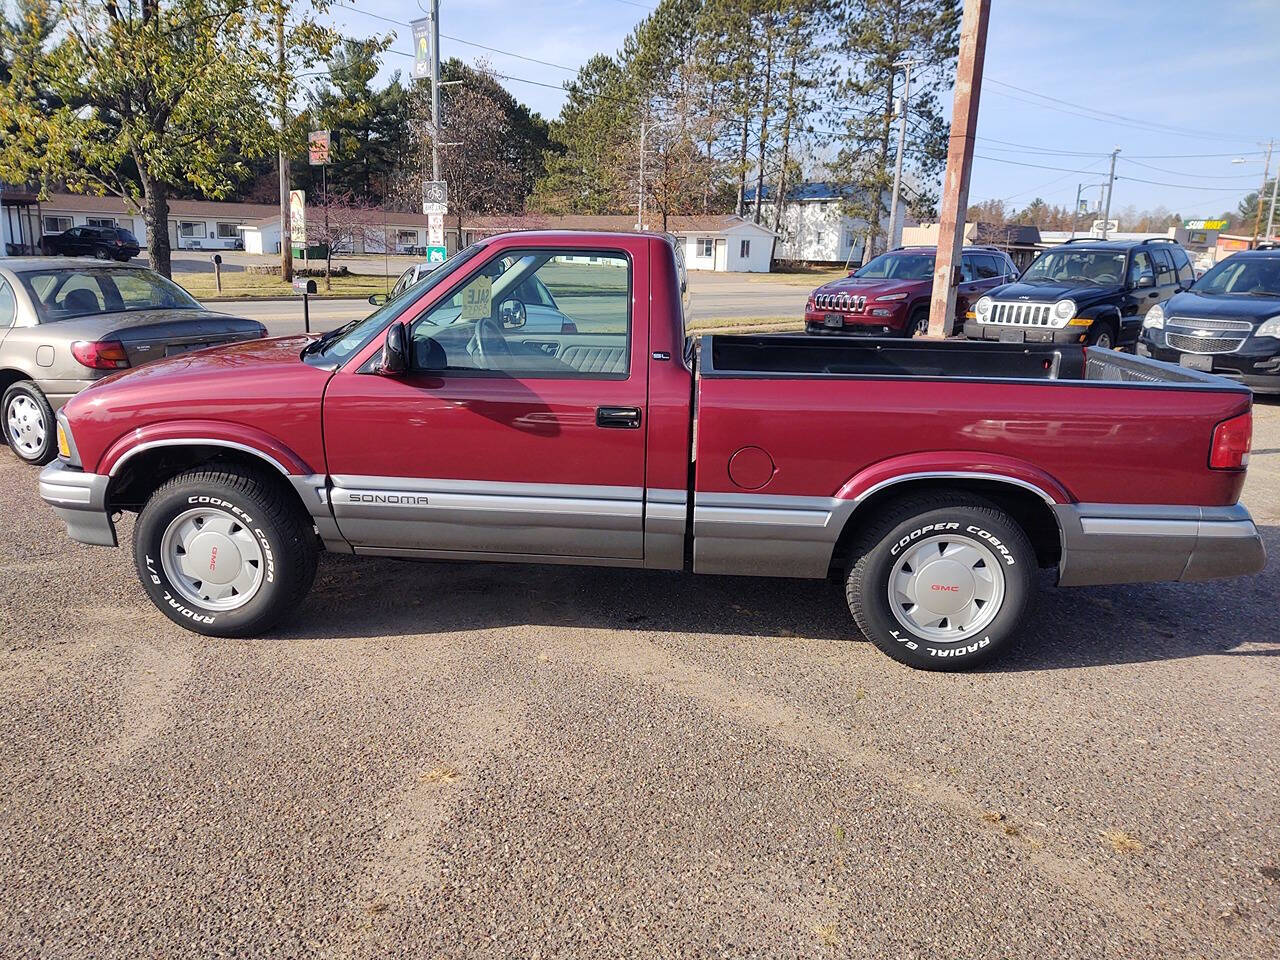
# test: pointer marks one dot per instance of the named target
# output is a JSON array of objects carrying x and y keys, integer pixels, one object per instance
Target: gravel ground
[{"x": 442, "y": 760}]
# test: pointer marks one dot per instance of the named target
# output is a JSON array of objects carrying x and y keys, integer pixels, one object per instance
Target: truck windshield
[
  {"x": 336, "y": 346},
  {"x": 898, "y": 266},
  {"x": 1237, "y": 276},
  {"x": 1077, "y": 266}
]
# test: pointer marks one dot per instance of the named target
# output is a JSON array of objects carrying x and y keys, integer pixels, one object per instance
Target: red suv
[{"x": 890, "y": 295}]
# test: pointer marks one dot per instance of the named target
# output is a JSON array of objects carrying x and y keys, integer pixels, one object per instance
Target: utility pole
[
  {"x": 435, "y": 91},
  {"x": 895, "y": 222},
  {"x": 1075, "y": 211},
  {"x": 282, "y": 94},
  {"x": 1111, "y": 182},
  {"x": 640, "y": 198},
  {"x": 1271, "y": 217},
  {"x": 1266, "y": 175},
  {"x": 955, "y": 187}
]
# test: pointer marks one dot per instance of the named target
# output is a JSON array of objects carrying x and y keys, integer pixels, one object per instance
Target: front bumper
[
  {"x": 1012, "y": 333},
  {"x": 1111, "y": 543},
  {"x": 1256, "y": 363},
  {"x": 865, "y": 324},
  {"x": 80, "y": 501}
]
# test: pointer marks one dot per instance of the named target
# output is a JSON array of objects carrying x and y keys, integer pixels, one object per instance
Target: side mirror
[
  {"x": 395, "y": 352},
  {"x": 1146, "y": 279},
  {"x": 513, "y": 314},
  {"x": 377, "y": 299}
]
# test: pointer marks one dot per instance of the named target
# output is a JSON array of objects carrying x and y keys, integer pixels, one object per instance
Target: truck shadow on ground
[{"x": 1081, "y": 627}]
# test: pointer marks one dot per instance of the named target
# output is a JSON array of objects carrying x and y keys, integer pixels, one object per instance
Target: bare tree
[{"x": 345, "y": 223}]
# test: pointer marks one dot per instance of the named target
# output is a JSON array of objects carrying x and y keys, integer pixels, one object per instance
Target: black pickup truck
[{"x": 1084, "y": 291}]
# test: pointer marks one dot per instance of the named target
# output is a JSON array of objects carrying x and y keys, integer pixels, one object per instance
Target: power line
[
  {"x": 1185, "y": 173},
  {"x": 1121, "y": 118}
]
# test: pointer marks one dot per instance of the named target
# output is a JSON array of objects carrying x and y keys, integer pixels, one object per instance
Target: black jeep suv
[
  {"x": 1228, "y": 323},
  {"x": 1083, "y": 291}
]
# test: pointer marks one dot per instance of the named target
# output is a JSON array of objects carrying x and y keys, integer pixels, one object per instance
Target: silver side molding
[{"x": 765, "y": 535}]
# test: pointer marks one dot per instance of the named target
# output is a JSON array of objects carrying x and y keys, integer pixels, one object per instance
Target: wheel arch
[
  {"x": 1030, "y": 505},
  {"x": 10, "y": 375}
]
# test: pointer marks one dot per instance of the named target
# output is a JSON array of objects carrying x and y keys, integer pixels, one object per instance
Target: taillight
[
  {"x": 1231, "y": 441},
  {"x": 568, "y": 327},
  {"x": 100, "y": 354}
]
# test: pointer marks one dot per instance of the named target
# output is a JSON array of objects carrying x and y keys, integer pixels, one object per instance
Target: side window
[
  {"x": 1165, "y": 275},
  {"x": 988, "y": 267},
  {"x": 541, "y": 313},
  {"x": 1010, "y": 268},
  {"x": 1186, "y": 275},
  {"x": 8, "y": 306},
  {"x": 967, "y": 272},
  {"x": 1140, "y": 264}
]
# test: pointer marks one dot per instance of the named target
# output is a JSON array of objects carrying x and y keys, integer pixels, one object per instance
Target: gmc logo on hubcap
[{"x": 943, "y": 586}]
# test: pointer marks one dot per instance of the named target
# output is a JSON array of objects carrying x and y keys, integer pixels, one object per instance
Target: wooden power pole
[
  {"x": 286, "y": 244},
  {"x": 955, "y": 188}
]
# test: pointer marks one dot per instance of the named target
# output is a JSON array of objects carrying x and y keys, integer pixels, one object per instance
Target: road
[
  {"x": 449, "y": 760},
  {"x": 712, "y": 297}
]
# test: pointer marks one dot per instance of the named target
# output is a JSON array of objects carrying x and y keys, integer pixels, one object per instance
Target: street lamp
[{"x": 1075, "y": 213}]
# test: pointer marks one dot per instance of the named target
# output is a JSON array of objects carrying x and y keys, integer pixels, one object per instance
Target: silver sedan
[{"x": 66, "y": 323}]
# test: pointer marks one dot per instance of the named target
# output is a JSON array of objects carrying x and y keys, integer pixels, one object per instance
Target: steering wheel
[
  {"x": 1107, "y": 278},
  {"x": 487, "y": 342}
]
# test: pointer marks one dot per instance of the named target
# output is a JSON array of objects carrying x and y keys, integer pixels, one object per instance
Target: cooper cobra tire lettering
[
  {"x": 897, "y": 525},
  {"x": 271, "y": 513}
]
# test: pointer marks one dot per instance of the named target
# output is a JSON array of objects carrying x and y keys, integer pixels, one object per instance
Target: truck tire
[
  {"x": 242, "y": 529},
  {"x": 974, "y": 561},
  {"x": 28, "y": 423}
]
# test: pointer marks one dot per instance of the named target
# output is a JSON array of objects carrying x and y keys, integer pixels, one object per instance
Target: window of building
[
  {"x": 817, "y": 237},
  {"x": 744, "y": 249},
  {"x": 56, "y": 224},
  {"x": 704, "y": 246},
  {"x": 524, "y": 314},
  {"x": 228, "y": 231},
  {"x": 191, "y": 229},
  {"x": 101, "y": 221},
  {"x": 406, "y": 239}
]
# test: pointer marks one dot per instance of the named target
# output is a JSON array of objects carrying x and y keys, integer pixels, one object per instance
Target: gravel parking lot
[{"x": 446, "y": 760}]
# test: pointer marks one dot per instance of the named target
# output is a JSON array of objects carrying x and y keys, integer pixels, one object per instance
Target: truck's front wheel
[
  {"x": 224, "y": 552},
  {"x": 942, "y": 584}
]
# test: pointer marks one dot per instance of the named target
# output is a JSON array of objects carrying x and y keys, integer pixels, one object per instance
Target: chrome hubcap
[
  {"x": 946, "y": 588},
  {"x": 27, "y": 429},
  {"x": 212, "y": 560}
]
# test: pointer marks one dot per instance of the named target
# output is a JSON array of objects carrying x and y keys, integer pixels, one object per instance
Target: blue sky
[{"x": 1198, "y": 78}]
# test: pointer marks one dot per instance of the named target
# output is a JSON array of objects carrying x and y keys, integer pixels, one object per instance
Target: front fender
[{"x": 203, "y": 433}]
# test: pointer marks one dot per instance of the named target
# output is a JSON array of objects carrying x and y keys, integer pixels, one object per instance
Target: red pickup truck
[{"x": 931, "y": 480}]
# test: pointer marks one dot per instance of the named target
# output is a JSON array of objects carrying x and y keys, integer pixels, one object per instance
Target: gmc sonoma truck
[{"x": 932, "y": 480}]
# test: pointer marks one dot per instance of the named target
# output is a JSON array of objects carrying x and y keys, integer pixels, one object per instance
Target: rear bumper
[
  {"x": 80, "y": 501},
  {"x": 1109, "y": 543}
]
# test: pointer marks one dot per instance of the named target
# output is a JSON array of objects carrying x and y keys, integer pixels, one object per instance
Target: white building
[
  {"x": 718, "y": 242},
  {"x": 813, "y": 228}
]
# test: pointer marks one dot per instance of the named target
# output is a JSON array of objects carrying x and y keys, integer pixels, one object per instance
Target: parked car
[
  {"x": 530, "y": 305},
  {"x": 403, "y": 282},
  {"x": 1228, "y": 323},
  {"x": 889, "y": 296},
  {"x": 102, "y": 243},
  {"x": 1083, "y": 291},
  {"x": 64, "y": 325},
  {"x": 418, "y": 432}
]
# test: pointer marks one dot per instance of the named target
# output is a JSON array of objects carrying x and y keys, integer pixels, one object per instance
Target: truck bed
[{"x": 800, "y": 356}]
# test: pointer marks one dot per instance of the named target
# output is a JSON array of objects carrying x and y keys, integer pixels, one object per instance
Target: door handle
[{"x": 619, "y": 418}]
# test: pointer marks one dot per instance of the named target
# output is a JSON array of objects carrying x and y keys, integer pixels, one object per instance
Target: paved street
[
  {"x": 439, "y": 759},
  {"x": 713, "y": 296}
]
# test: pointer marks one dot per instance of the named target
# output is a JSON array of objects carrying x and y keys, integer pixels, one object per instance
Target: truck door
[{"x": 502, "y": 441}]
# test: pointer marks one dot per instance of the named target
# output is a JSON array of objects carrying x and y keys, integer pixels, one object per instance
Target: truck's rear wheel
[
  {"x": 225, "y": 553},
  {"x": 942, "y": 583}
]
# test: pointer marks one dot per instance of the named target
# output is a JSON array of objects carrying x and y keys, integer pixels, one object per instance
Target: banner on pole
[
  {"x": 298, "y": 217},
  {"x": 422, "y": 48}
]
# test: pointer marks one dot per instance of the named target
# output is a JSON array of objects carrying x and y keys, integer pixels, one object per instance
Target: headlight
[
  {"x": 892, "y": 296},
  {"x": 1063, "y": 311},
  {"x": 1154, "y": 320},
  {"x": 1269, "y": 328},
  {"x": 983, "y": 307}
]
